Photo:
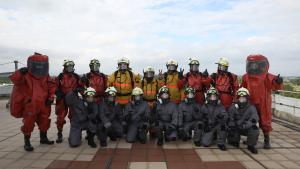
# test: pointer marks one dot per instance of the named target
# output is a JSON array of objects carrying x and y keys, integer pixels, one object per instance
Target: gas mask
[
  {"x": 242, "y": 102},
  {"x": 222, "y": 69},
  {"x": 194, "y": 68},
  {"x": 89, "y": 99},
  {"x": 95, "y": 67},
  {"x": 111, "y": 99},
  {"x": 137, "y": 99},
  {"x": 164, "y": 98},
  {"x": 123, "y": 67},
  {"x": 149, "y": 76},
  {"x": 190, "y": 97},
  {"x": 213, "y": 99},
  {"x": 69, "y": 68},
  {"x": 171, "y": 68}
]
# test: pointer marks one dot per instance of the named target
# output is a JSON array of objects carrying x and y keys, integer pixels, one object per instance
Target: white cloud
[{"x": 151, "y": 32}]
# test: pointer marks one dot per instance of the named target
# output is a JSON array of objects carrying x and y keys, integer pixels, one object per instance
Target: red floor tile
[
  {"x": 59, "y": 164},
  {"x": 176, "y": 165},
  {"x": 78, "y": 165}
]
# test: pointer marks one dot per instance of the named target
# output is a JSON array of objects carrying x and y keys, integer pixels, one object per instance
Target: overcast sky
[{"x": 149, "y": 32}]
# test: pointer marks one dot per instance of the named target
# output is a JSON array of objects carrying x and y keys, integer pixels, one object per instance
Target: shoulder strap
[{"x": 214, "y": 79}]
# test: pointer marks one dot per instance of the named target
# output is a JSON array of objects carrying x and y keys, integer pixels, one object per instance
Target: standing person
[
  {"x": 215, "y": 118},
  {"x": 83, "y": 106},
  {"x": 32, "y": 96},
  {"x": 150, "y": 86},
  {"x": 260, "y": 84},
  {"x": 225, "y": 82},
  {"x": 66, "y": 81},
  {"x": 173, "y": 80},
  {"x": 124, "y": 80},
  {"x": 137, "y": 115},
  {"x": 197, "y": 80},
  {"x": 96, "y": 80},
  {"x": 190, "y": 117},
  {"x": 243, "y": 120},
  {"x": 166, "y": 117}
]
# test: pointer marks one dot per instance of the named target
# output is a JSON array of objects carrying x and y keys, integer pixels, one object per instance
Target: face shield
[
  {"x": 213, "y": 99},
  {"x": 89, "y": 99},
  {"x": 149, "y": 74},
  {"x": 38, "y": 68},
  {"x": 190, "y": 96},
  {"x": 111, "y": 98},
  {"x": 171, "y": 67},
  {"x": 95, "y": 67},
  {"x": 69, "y": 68},
  {"x": 256, "y": 67},
  {"x": 123, "y": 66},
  {"x": 194, "y": 68},
  {"x": 242, "y": 101}
]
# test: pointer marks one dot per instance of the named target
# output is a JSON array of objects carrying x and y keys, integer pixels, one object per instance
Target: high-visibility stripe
[
  {"x": 122, "y": 84},
  {"x": 172, "y": 86}
]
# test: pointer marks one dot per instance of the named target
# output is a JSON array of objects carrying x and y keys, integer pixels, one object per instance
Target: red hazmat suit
[
  {"x": 37, "y": 88},
  {"x": 98, "y": 81},
  {"x": 199, "y": 83},
  {"x": 260, "y": 84},
  {"x": 227, "y": 84},
  {"x": 65, "y": 82}
]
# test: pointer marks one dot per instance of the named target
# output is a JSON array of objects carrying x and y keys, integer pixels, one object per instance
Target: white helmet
[
  {"x": 123, "y": 60},
  {"x": 68, "y": 62},
  {"x": 149, "y": 69},
  {"x": 137, "y": 91},
  {"x": 223, "y": 61},
  {"x": 242, "y": 92},
  {"x": 172, "y": 62},
  {"x": 89, "y": 91},
  {"x": 111, "y": 91}
]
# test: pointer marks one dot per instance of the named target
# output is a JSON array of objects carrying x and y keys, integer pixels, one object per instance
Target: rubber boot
[
  {"x": 27, "y": 145},
  {"x": 44, "y": 139}
]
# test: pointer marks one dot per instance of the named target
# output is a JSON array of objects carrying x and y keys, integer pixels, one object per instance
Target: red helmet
[
  {"x": 257, "y": 64},
  {"x": 38, "y": 64}
]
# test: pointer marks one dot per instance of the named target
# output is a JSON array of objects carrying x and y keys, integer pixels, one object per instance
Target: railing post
[{"x": 16, "y": 64}]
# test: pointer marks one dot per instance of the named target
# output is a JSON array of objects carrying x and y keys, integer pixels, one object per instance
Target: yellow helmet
[
  {"x": 194, "y": 61},
  {"x": 89, "y": 91},
  {"x": 123, "y": 60},
  {"x": 242, "y": 92},
  {"x": 68, "y": 62},
  {"x": 172, "y": 62},
  {"x": 111, "y": 91},
  {"x": 223, "y": 61},
  {"x": 149, "y": 69},
  {"x": 137, "y": 91},
  {"x": 94, "y": 61}
]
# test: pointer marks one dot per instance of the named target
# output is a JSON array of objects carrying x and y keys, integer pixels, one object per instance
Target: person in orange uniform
[
  {"x": 96, "y": 80},
  {"x": 260, "y": 84},
  {"x": 173, "y": 79},
  {"x": 33, "y": 103},
  {"x": 150, "y": 86},
  {"x": 66, "y": 81},
  {"x": 225, "y": 82},
  {"x": 197, "y": 80},
  {"x": 124, "y": 80}
]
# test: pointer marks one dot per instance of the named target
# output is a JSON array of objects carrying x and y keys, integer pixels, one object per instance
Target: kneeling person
[
  {"x": 243, "y": 120},
  {"x": 166, "y": 117},
  {"x": 215, "y": 118},
  {"x": 82, "y": 107},
  {"x": 136, "y": 115},
  {"x": 190, "y": 117}
]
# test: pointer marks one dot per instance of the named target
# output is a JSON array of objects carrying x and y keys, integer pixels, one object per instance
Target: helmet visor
[
  {"x": 256, "y": 67},
  {"x": 38, "y": 68}
]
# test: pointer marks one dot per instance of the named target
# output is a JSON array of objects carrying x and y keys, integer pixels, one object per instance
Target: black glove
[
  {"x": 180, "y": 73},
  {"x": 279, "y": 79},
  {"x": 23, "y": 70},
  {"x": 49, "y": 102},
  {"x": 220, "y": 116},
  {"x": 59, "y": 94},
  {"x": 144, "y": 126},
  {"x": 205, "y": 73},
  {"x": 78, "y": 90},
  {"x": 84, "y": 79}
]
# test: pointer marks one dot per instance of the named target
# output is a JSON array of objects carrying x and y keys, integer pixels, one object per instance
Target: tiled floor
[{"x": 181, "y": 155}]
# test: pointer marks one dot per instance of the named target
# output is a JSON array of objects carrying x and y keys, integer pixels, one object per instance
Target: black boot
[
  {"x": 91, "y": 141},
  {"x": 27, "y": 145},
  {"x": 44, "y": 139},
  {"x": 160, "y": 142},
  {"x": 197, "y": 143},
  {"x": 252, "y": 149},
  {"x": 103, "y": 143},
  {"x": 59, "y": 136},
  {"x": 267, "y": 144},
  {"x": 222, "y": 147}
]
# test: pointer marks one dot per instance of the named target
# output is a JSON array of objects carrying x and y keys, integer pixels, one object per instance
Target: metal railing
[{"x": 283, "y": 101}]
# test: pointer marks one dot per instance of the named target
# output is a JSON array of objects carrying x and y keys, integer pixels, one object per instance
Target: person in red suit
[
  {"x": 197, "y": 80},
  {"x": 225, "y": 82},
  {"x": 34, "y": 101},
  {"x": 66, "y": 81},
  {"x": 260, "y": 84},
  {"x": 96, "y": 80}
]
